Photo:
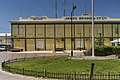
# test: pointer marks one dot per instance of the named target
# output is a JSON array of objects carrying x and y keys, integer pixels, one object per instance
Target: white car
[{"x": 2, "y": 48}]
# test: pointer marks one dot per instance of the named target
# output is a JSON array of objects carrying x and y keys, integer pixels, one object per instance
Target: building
[
  {"x": 5, "y": 38},
  {"x": 43, "y": 33}
]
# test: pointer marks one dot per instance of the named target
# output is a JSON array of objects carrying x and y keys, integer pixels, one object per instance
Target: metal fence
[{"x": 63, "y": 76}]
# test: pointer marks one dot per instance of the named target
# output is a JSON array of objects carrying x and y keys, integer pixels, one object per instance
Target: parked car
[{"x": 3, "y": 48}]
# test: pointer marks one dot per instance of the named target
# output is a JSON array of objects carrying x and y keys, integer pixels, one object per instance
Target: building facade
[
  {"x": 43, "y": 33},
  {"x": 5, "y": 38}
]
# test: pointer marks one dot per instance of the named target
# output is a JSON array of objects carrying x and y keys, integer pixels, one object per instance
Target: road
[{"x": 9, "y": 76}]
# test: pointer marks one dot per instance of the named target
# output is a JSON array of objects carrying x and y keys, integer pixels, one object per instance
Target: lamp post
[{"x": 73, "y": 8}]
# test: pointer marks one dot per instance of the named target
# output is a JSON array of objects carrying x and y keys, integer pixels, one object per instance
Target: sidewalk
[{"x": 95, "y": 57}]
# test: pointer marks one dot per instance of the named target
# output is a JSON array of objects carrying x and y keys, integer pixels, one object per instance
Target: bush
[{"x": 107, "y": 50}]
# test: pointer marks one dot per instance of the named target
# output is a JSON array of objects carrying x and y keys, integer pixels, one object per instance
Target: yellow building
[{"x": 43, "y": 33}]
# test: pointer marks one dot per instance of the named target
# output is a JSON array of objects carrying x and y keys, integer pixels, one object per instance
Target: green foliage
[
  {"x": 99, "y": 39},
  {"x": 107, "y": 50},
  {"x": 65, "y": 65}
]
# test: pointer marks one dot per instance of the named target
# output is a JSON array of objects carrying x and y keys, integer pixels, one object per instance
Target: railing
[{"x": 65, "y": 76}]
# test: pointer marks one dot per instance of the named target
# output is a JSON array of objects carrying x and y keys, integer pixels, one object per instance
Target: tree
[{"x": 99, "y": 40}]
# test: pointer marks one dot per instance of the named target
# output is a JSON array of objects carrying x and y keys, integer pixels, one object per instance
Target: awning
[{"x": 116, "y": 41}]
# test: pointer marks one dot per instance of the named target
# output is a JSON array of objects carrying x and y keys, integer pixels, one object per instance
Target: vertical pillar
[
  {"x": 112, "y": 31},
  {"x": 84, "y": 36},
  {"x": 118, "y": 34},
  {"x": 102, "y": 34},
  {"x": 25, "y": 40},
  {"x": 45, "y": 36},
  {"x": 12, "y": 39},
  {"x": 18, "y": 29},
  {"x": 54, "y": 36},
  {"x": 35, "y": 36},
  {"x": 64, "y": 39}
]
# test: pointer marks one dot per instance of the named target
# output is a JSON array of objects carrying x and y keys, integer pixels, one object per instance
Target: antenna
[
  {"x": 85, "y": 8},
  {"x": 55, "y": 8},
  {"x": 72, "y": 6},
  {"x": 21, "y": 12},
  {"x": 64, "y": 7}
]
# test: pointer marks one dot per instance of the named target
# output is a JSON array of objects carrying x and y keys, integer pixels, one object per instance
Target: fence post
[
  {"x": 45, "y": 73},
  {"x": 9, "y": 68},
  {"x": 3, "y": 64},
  {"x": 92, "y": 69},
  {"x": 75, "y": 76},
  {"x": 23, "y": 71},
  {"x": 119, "y": 76},
  {"x": 108, "y": 75}
]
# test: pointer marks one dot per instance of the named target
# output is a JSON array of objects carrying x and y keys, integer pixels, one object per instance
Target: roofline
[{"x": 67, "y": 21}]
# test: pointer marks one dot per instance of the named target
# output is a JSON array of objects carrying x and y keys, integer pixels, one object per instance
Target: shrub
[{"x": 107, "y": 50}]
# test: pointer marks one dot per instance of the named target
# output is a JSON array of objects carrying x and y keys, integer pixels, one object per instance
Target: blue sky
[{"x": 10, "y": 9}]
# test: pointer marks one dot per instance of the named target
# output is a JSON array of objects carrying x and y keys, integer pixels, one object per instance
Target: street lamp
[{"x": 73, "y": 8}]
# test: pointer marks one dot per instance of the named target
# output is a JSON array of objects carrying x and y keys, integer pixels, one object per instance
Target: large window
[
  {"x": 107, "y": 30},
  {"x": 40, "y": 44},
  {"x": 30, "y": 31},
  {"x": 78, "y": 32},
  {"x": 51, "y": 31},
  {"x": 40, "y": 31},
  {"x": 59, "y": 31},
  {"x": 20, "y": 30},
  {"x": 98, "y": 31},
  {"x": 115, "y": 30},
  {"x": 16, "y": 31}
]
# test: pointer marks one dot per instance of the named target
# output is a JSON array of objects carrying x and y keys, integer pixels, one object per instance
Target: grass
[{"x": 65, "y": 65}]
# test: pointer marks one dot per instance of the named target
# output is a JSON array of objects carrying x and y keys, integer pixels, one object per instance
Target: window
[
  {"x": 20, "y": 30},
  {"x": 51, "y": 31},
  {"x": 59, "y": 31},
  {"x": 78, "y": 44},
  {"x": 16, "y": 31},
  {"x": 115, "y": 30},
  {"x": 78, "y": 32},
  {"x": 40, "y": 30},
  {"x": 30, "y": 31},
  {"x": 40, "y": 44},
  {"x": 98, "y": 31}
]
